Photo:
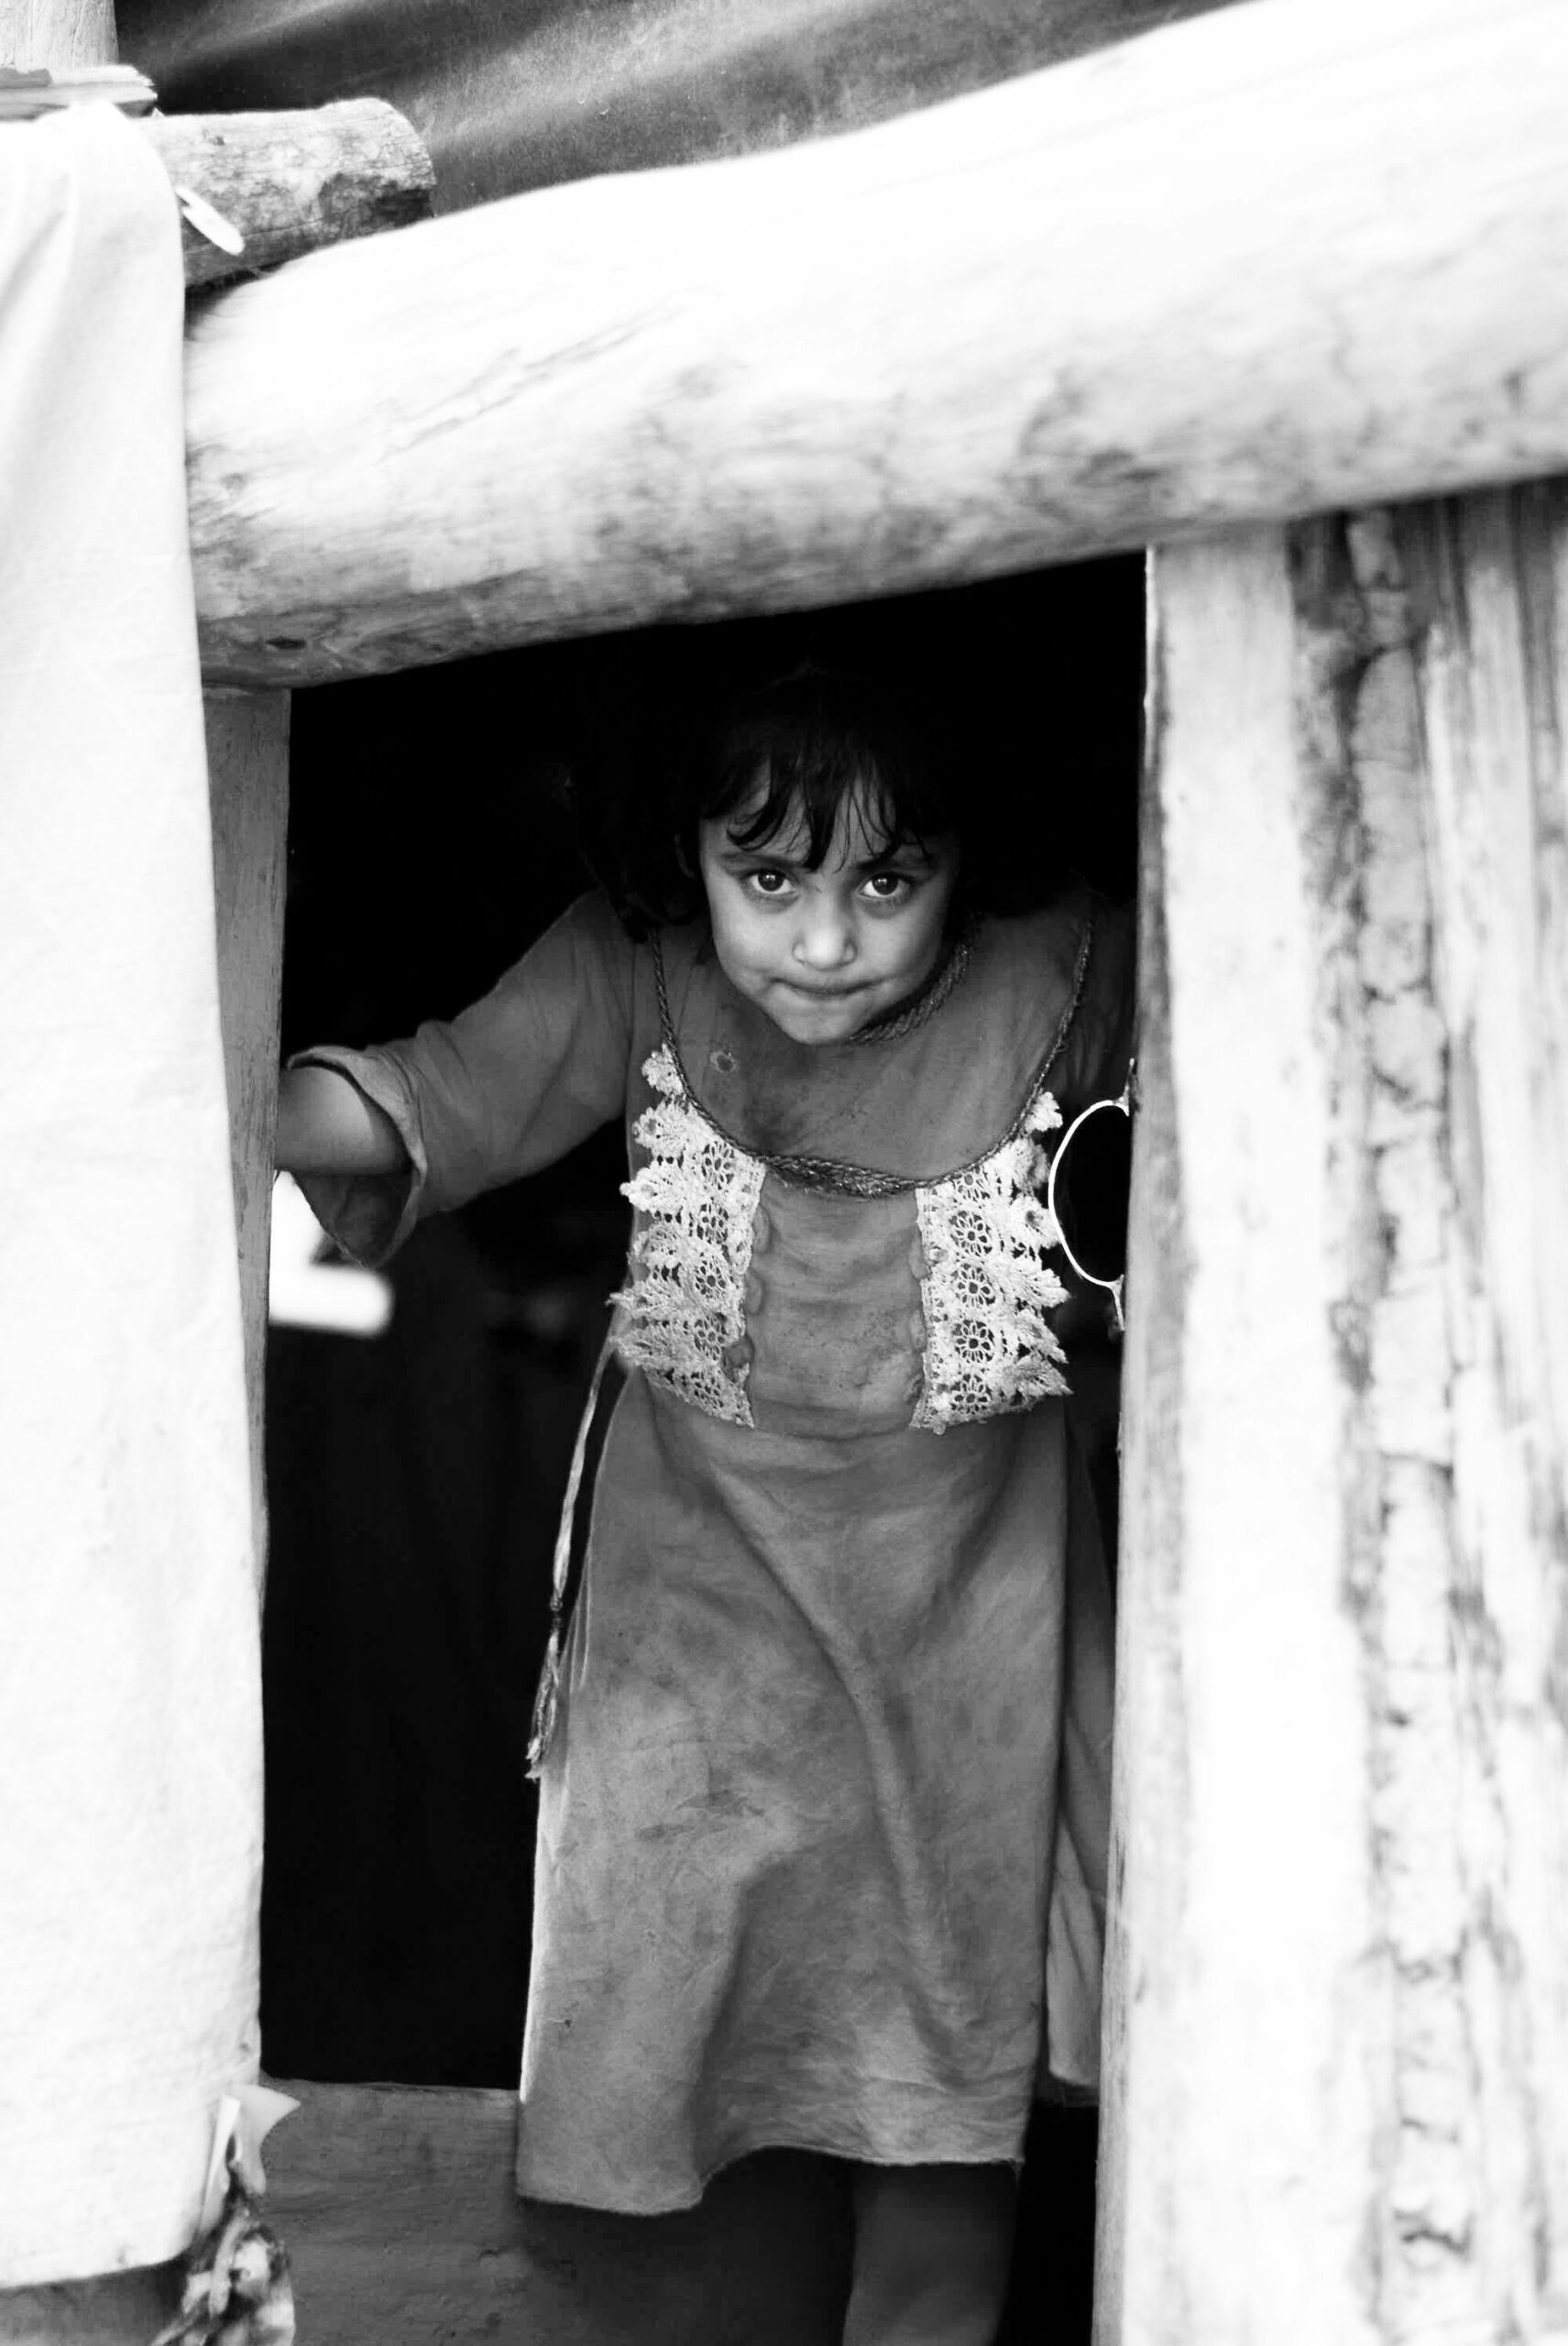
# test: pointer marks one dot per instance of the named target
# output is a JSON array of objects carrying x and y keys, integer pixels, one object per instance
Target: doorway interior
[{"x": 414, "y": 1477}]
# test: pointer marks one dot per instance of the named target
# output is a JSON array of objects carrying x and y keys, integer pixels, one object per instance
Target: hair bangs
[
  {"x": 800, "y": 761},
  {"x": 815, "y": 754}
]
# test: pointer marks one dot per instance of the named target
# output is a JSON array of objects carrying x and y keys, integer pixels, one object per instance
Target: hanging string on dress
[{"x": 571, "y": 1542}]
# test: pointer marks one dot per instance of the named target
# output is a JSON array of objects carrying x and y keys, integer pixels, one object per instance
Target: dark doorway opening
[{"x": 414, "y": 1479}]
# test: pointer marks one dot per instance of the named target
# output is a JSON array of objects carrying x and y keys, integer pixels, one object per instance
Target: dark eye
[
  {"x": 889, "y": 887},
  {"x": 768, "y": 882}
]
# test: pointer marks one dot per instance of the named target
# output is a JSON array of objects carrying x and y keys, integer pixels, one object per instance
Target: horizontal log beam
[
  {"x": 291, "y": 182},
  {"x": 1295, "y": 255}
]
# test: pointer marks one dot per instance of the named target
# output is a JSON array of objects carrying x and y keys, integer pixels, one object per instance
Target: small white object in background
[
  {"x": 306, "y": 1288},
  {"x": 209, "y": 222}
]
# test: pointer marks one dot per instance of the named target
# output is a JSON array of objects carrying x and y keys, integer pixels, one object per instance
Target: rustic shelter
[{"x": 1275, "y": 291}]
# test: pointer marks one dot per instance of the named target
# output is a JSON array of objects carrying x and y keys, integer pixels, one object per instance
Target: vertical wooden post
[
  {"x": 1338, "y": 2099},
  {"x": 248, "y": 766}
]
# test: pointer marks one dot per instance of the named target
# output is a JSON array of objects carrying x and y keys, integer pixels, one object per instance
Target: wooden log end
[{"x": 291, "y": 182}]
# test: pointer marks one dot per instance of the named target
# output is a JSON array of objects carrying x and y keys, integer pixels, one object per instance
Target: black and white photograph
[{"x": 784, "y": 1173}]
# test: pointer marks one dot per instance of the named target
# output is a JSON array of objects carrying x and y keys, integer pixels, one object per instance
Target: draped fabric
[{"x": 130, "y": 1794}]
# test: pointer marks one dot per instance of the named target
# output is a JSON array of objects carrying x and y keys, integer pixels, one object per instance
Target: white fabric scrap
[{"x": 130, "y": 1792}]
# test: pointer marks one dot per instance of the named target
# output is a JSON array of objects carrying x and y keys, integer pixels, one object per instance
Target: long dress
[{"x": 824, "y": 1807}]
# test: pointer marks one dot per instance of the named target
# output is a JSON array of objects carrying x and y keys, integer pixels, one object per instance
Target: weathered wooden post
[
  {"x": 247, "y": 770},
  {"x": 1339, "y": 2106}
]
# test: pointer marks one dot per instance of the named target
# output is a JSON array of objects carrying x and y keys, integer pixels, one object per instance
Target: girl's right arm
[
  {"x": 380, "y": 1137},
  {"x": 326, "y": 1124}
]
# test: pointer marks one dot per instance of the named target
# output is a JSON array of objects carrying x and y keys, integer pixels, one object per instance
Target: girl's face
[{"x": 824, "y": 951}]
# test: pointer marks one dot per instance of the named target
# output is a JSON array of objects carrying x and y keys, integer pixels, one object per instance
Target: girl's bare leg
[{"x": 932, "y": 2247}]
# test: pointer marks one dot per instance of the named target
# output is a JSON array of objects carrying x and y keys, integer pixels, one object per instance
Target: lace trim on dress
[
  {"x": 985, "y": 1289},
  {"x": 990, "y": 1350},
  {"x": 683, "y": 1319}
]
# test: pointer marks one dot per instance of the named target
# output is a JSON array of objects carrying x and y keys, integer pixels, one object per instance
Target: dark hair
[{"x": 813, "y": 740}]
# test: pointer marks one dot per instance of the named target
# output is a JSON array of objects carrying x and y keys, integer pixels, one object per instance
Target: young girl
[{"x": 824, "y": 1735}]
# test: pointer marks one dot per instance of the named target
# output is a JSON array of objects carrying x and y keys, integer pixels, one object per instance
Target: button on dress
[{"x": 823, "y": 1792}]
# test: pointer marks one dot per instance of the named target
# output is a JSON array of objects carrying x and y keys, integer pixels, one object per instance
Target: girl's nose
[{"x": 824, "y": 939}]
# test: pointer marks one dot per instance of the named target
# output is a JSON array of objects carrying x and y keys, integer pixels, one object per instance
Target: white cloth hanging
[{"x": 130, "y": 1795}]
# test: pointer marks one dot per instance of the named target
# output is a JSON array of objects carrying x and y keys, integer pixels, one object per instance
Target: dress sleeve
[{"x": 502, "y": 1090}]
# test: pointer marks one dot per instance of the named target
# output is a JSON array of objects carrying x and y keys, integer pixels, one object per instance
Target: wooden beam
[
  {"x": 247, "y": 770},
  {"x": 257, "y": 190},
  {"x": 396, "y": 2205},
  {"x": 1338, "y": 1984},
  {"x": 120, "y": 2309},
  {"x": 1255, "y": 264},
  {"x": 291, "y": 182}
]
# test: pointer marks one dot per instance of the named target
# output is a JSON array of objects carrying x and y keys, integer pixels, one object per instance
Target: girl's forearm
[{"x": 326, "y": 1124}]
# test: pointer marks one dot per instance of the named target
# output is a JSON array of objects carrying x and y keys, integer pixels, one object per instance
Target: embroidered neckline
[
  {"x": 840, "y": 1174},
  {"x": 986, "y": 1289}
]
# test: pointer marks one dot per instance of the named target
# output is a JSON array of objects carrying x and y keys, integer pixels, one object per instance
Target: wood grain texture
[
  {"x": 57, "y": 33},
  {"x": 396, "y": 2205},
  {"x": 1339, "y": 1984},
  {"x": 1240, "y": 1832},
  {"x": 121, "y": 2309},
  {"x": 248, "y": 766},
  {"x": 1253, "y": 264},
  {"x": 293, "y": 181}
]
